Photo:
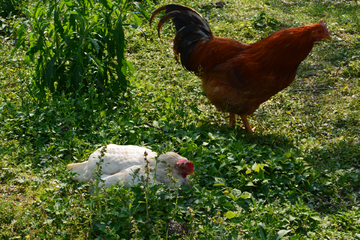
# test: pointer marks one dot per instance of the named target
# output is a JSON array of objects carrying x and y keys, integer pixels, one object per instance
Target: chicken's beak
[
  {"x": 327, "y": 36},
  {"x": 185, "y": 173}
]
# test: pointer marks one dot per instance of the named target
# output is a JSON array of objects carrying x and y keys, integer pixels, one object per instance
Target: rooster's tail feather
[{"x": 190, "y": 27}]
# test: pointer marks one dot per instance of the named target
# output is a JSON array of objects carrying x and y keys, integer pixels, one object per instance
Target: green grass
[{"x": 298, "y": 172}]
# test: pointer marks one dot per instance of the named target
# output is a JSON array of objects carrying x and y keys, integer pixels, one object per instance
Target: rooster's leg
[
  {"x": 232, "y": 117},
  {"x": 246, "y": 123}
]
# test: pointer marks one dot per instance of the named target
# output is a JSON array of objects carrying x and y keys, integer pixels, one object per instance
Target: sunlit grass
[{"x": 298, "y": 172}]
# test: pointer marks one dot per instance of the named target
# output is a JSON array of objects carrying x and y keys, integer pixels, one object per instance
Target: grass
[{"x": 298, "y": 172}]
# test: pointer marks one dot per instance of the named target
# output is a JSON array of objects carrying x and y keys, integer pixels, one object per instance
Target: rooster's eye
[{"x": 319, "y": 32}]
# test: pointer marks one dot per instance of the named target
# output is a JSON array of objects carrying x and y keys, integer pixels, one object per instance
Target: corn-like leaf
[
  {"x": 49, "y": 73},
  {"x": 137, "y": 20},
  {"x": 262, "y": 230}
]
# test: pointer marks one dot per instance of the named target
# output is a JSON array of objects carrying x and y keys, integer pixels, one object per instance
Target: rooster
[
  {"x": 238, "y": 77},
  {"x": 127, "y": 163}
]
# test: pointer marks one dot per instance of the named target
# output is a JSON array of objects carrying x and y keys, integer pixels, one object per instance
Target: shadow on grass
[{"x": 342, "y": 155}]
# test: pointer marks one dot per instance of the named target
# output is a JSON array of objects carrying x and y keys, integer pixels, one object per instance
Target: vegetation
[
  {"x": 297, "y": 177},
  {"x": 77, "y": 47}
]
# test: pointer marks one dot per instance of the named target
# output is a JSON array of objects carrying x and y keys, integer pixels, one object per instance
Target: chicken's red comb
[
  {"x": 185, "y": 161},
  {"x": 323, "y": 24}
]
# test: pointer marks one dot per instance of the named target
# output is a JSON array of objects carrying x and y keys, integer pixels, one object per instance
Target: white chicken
[{"x": 126, "y": 163}]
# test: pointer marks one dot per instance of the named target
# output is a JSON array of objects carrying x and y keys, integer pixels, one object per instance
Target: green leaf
[
  {"x": 142, "y": 10},
  {"x": 261, "y": 174},
  {"x": 232, "y": 196},
  {"x": 257, "y": 167},
  {"x": 250, "y": 184},
  {"x": 219, "y": 184},
  {"x": 137, "y": 20},
  {"x": 107, "y": 4},
  {"x": 239, "y": 168},
  {"x": 76, "y": 78},
  {"x": 316, "y": 218},
  {"x": 245, "y": 196},
  {"x": 226, "y": 203},
  {"x": 94, "y": 42},
  {"x": 211, "y": 136},
  {"x": 262, "y": 230},
  {"x": 49, "y": 73},
  {"x": 280, "y": 234},
  {"x": 236, "y": 193},
  {"x": 130, "y": 67},
  {"x": 230, "y": 214},
  {"x": 120, "y": 49},
  {"x": 254, "y": 167},
  {"x": 219, "y": 181},
  {"x": 57, "y": 22},
  {"x": 251, "y": 147}
]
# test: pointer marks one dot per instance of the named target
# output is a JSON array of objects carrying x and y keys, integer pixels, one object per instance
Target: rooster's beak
[{"x": 327, "y": 36}]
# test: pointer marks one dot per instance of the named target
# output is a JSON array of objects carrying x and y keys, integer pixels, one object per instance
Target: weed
[{"x": 77, "y": 47}]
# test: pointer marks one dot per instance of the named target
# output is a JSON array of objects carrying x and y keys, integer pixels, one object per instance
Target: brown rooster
[{"x": 238, "y": 77}]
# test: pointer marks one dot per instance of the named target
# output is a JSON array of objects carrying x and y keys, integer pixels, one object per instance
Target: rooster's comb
[{"x": 323, "y": 24}]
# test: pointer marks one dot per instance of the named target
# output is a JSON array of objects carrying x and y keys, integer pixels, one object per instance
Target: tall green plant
[{"x": 78, "y": 45}]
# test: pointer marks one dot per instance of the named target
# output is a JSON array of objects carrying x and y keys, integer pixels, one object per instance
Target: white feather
[{"x": 121, "y": 162}]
